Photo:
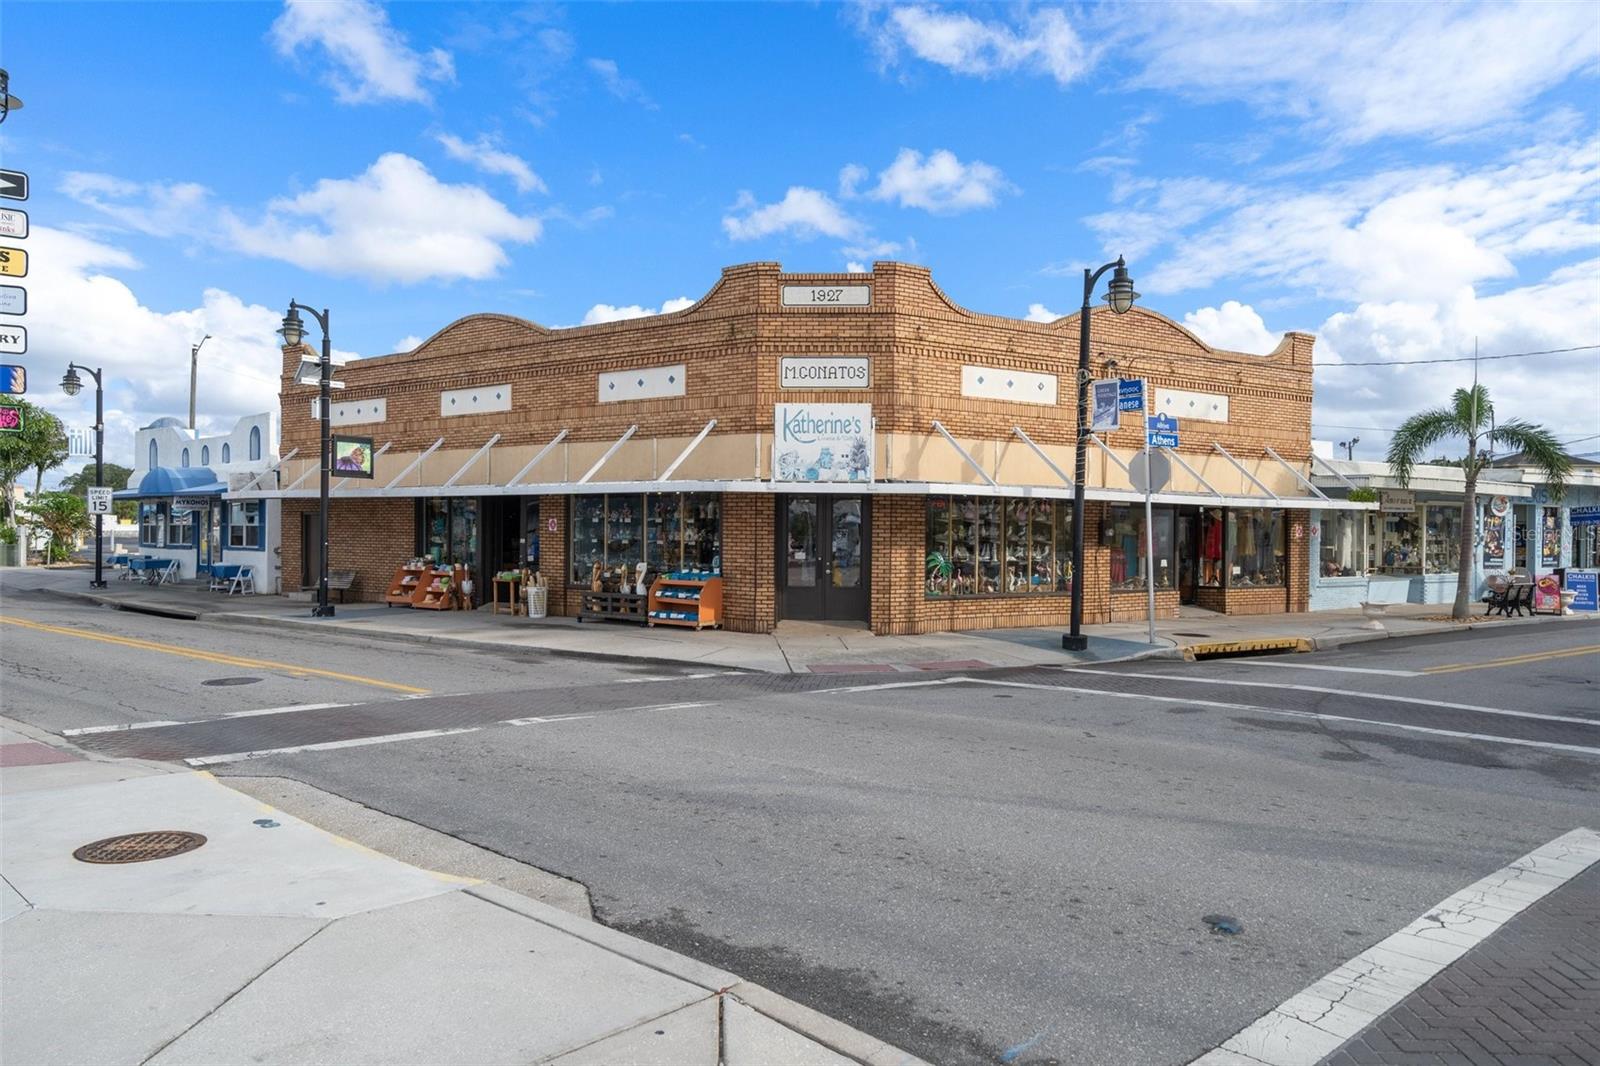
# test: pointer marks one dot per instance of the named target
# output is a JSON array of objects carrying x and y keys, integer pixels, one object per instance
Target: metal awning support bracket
[
  {"x": 470, "y": 463},
  {"x": 274, "y": 468},
  {"x": 1297, "y": 475},
  {"x": 945, "y": 433},
  {"x": 1316, "y": 459},
  {"x": 1237, "y": 465},
  {"x": 414, "y": 463},
  {"x": 1062, "y": 474},
  {"x": 520, "y": 474},
  {"x": 673, "y": 466},
  {"x": 595, "y": 469},
  {"x": 1175, "y": 457},
  {"x": 1114, "y": 457}
]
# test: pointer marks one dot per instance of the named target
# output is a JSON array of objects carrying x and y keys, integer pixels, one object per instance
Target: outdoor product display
[
  {"x": 403, "y": 586},
  {"x": 690, "y": 598}
]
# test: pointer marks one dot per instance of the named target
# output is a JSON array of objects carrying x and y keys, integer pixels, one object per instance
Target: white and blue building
[
  {"x": 1408, "y": 550},
  {"x": 185, "y": 482}
]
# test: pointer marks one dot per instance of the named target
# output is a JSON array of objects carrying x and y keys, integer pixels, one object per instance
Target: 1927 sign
[{"x": 827, "y": 295}]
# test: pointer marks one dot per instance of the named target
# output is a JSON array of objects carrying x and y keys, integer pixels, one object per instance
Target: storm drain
[
  {"x": 1234, "y": 649},
  {"x": 139, "y": 847},
  {"x": 226, "y": 681}
]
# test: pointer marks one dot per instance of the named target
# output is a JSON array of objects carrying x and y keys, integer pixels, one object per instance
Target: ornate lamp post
[
  {"x": 293, "y": 332},
  {"x": 1120, "y": 296},
  {"x": 72, "y": 384}
]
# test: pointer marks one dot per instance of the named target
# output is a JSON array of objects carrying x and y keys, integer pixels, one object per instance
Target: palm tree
[{"x": 1471, "y": 415}]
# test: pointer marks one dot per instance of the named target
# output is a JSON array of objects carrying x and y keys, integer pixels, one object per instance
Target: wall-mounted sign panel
[
  {"x": 826, "y": 372},
  {"x": 646, "y": 383},
  {"x": 827, "y": 295},
  {"x": 1396, "y": 501},
  {"x": 13, "y": 340},
  {"x": 13, "y": 300},
  {"x": 191, "y": 503},
  {"x": 13, "y": 262},
  {"x": 999, "y": 383},
  {"x": 352, "y": 456},
  {"x": 481, "y": 400},
  {"x": 822, "y": 442},
  {"x": 13, "y": 379},
  {"x": 13, "y": 185},
  {"x": 1199, "y": 406},
  {"x": 13, "y": 222}
]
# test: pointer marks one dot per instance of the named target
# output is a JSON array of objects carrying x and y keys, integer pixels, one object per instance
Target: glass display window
[
  {"x": 1344, "y": 549},
  {"x": 244, "y": 524},
  {"x": 1442, "y": 538},
  {"x": 1586, "y": 545},
  {"x": 938, "y": 566},
  {"x": 1125, "y": 536},
  {"x": 963, "y": 546},
  {"x": 1063, "y": 571},
  {"x": 152, "y": 522},
  {"x": 702, "y": 532},
  {"x": 587, "y": 533},
  {"x": 990, "y": 546},
  {"x": 180, "y": 528},
  {"x": 1018, "y": 530},
  {"x": 609, "y": 536},
  {"x": 997, "y": 547},
  {"x": 1256, "y": 548},
  {"x": 1211, "y": 535},
  {"x": 1400, "y": 543},
  {"x": 1041, "y": 541},
  {"x": 664, "y": 532}
]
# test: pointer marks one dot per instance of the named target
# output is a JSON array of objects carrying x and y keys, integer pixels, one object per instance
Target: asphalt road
[{"x": 1008, "y": 867}]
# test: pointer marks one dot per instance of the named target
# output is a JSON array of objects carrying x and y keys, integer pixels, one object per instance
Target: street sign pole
[{"x": 1150, "y": 537}]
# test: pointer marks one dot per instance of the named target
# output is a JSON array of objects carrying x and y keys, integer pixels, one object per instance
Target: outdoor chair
[{"x": 243, "y": 580}]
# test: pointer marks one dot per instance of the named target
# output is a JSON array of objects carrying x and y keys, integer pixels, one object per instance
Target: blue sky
[{"x": 1398, "y": 186}]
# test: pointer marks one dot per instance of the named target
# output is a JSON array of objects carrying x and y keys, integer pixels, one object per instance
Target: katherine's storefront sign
[
  {"x": 822, "y": 442},
  {"x": 826, "y": 372}
]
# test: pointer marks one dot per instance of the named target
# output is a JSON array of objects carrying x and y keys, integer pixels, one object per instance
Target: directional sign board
[
  {"x": 13, "y": 340},
  {"x": 99, "y": 499},
  {"x": 13, "y": 379},
  {"x": 13, "y": 185},
  {"x": 1131, "y": 395},
  {"x": 13, "y": 300},
  {"x": 10, "y": 419},
  {"x": 1161, "y": 431},
  {"x": 13, "y": 262},
  {"x": 13, "y": 222}
]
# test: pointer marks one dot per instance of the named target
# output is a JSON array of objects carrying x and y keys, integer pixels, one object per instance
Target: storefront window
[
  {"x": 151, "y": 521},
  {"x": 1211, "y": 534},
  {"x": 988, "y": 546},
  {"x": 1256, "y": 554},
  {"x": 244, "y": 524},
  {"x": 1443, "y": 538},
  {"x": 668, "y": 532},
  {"x": 450, "y": 530},
  {"x": 1400, "y": 541},
  {"x": 180, "y": 529},
  {"x": 1344, "y": 550},
  {"x": 436, "y": 529},
  {"x": 1125, "y": 535},
  {"x": 1585, "y": 544}
]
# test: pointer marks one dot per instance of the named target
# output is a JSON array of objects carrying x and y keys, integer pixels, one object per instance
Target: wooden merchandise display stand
[
  {"x": 514, "y": 586},
  {"x": 612, "y": 607},
  {"x": 403, "y": 586},
  {"x": 440, "y": 590},
  {"x": 693, "y": 602}
]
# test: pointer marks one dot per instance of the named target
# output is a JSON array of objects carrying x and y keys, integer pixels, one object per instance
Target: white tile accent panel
[
  {"x": 483, "y": 399},
  {"x": 1201, "y": 406},
  {"x": 354, "y": 412},
  {"x": 646, "y": 383},
  {"x": 998, "y": 383}
]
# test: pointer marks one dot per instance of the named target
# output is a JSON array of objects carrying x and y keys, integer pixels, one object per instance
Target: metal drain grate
[{"x": 139, "y": 847}]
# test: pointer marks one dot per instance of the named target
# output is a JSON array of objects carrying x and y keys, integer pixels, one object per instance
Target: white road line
[
  {"x": 1184, "y": 680},
  {"x": 1486, "y": 737},
  {"x": 541, "y": 721},
  {"x": 928, "y": 683},
  {"x": 1310, "y": 1025},
  {"x": 1317, "y": 666},
  {"x": 202, "y": 721},
  {"x": 676, "y": 677},
  {"x": 389, "y": 738}
]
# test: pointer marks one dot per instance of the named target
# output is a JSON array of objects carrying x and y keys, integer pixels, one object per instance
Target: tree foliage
[
  {"x": 115, "y": 476},
  {"x": 64, "y": 516},
  {"x": 41, "y": 446}
]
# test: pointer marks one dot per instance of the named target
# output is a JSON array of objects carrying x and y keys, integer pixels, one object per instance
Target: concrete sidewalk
[
  {"x": 275, "y": 942},
  {"x": 802, "y": 647}
]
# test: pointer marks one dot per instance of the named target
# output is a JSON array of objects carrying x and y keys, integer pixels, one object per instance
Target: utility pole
[{"x": 194, "y": 373}]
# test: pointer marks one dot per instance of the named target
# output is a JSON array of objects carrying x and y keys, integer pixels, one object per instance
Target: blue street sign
[
  {"x": 1161, "y": 431},
  {"x": 1130, "y": 396}
]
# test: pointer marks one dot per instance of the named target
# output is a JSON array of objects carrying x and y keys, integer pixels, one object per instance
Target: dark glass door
[
  {"x": 310, "y": 549},
  {"x": 824, "y": 557},
  {"x": 1188, "y": 553}
]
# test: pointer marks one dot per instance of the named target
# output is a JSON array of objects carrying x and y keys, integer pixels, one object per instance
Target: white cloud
[
  {"x": 370, "y": 61},
  {"x": 410, "y": 342},
  {"x": 1044, "y": 42},
  {"x": 95, "y": 319},
  {"x": 1041, "y": 313},
  {"x": 875, "y": 249},
  {"x": 941, "y": 183},
  {"x": 805, "y": 213},
  {"x": 157, "y": 208},
  {"x": 617, "y": 85},
  {"x": 854, "y": 267},
  {"x": 1234, "y": 326},
  {"x": 394, "y": 222},
  {"x": 610, "y": 313},
  {"x": 485, "y": 155}
]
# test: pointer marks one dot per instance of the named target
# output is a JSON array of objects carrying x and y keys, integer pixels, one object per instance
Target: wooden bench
[
  {"x": 613, "y": 607},
  {"x": 1511, "y": 599}
]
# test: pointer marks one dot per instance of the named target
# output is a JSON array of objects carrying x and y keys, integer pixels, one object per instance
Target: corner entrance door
[
  {"x": 824, "y": 567},
  {"x": 1188, "y": 545},
  {"x": 310, "y": 549}
]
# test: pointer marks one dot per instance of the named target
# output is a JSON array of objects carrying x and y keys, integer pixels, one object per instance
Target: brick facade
[{"x": 730, "y": 343}]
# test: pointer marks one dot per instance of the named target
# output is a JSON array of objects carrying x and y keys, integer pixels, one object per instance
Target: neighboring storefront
[
  {"x": 188, "y": 513},
  {"x": 1409, "y": 548},
  {"x": 839, "y": 447}
]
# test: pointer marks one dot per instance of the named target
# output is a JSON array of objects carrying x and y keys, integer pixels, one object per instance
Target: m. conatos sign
[{"x": 827, "y": 372}]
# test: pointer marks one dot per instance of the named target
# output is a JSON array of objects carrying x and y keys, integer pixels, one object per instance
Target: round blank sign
[{"x": 1160, "y": 472}]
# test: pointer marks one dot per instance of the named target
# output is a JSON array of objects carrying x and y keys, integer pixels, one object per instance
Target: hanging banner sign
[
  {"x": 1131, "y": 395},
  {"x": 1105, "y": 399},
  {"x": 353, "y": 456},
  {"x": 1396, "y": 501},
  {"x": 822, "y": 442}
]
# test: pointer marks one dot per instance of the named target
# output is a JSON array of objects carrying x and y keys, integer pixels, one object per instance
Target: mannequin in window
[{"x": 1211, "y": 548}]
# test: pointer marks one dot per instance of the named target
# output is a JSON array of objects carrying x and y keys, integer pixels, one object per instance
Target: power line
[{"x": 1464, "y": 358}]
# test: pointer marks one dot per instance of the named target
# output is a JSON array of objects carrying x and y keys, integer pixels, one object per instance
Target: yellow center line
[
  {"x": 1515, "y": 660},
  {"x": 214, "y": 657}
]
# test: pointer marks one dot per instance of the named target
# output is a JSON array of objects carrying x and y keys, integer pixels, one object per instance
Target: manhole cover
[
  {"x": 223, "y": 681},
  {"x": 139, "y": 847}
]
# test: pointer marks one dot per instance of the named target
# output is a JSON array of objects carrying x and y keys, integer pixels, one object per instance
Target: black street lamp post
[
  {"x": 293, "y": 332},
  {"x": 72, "y": 384},
  {"x": 1120, "y": 296}
]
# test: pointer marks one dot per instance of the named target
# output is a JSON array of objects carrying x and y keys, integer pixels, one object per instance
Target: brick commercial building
[{"x": 852, "y": 447}]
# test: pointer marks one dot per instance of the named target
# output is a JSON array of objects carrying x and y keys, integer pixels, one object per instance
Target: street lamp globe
[
  {"x": 293, "y": 329},
  {"x": 1119, "y": 293},
  {"x": 72, "y": 384}
]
